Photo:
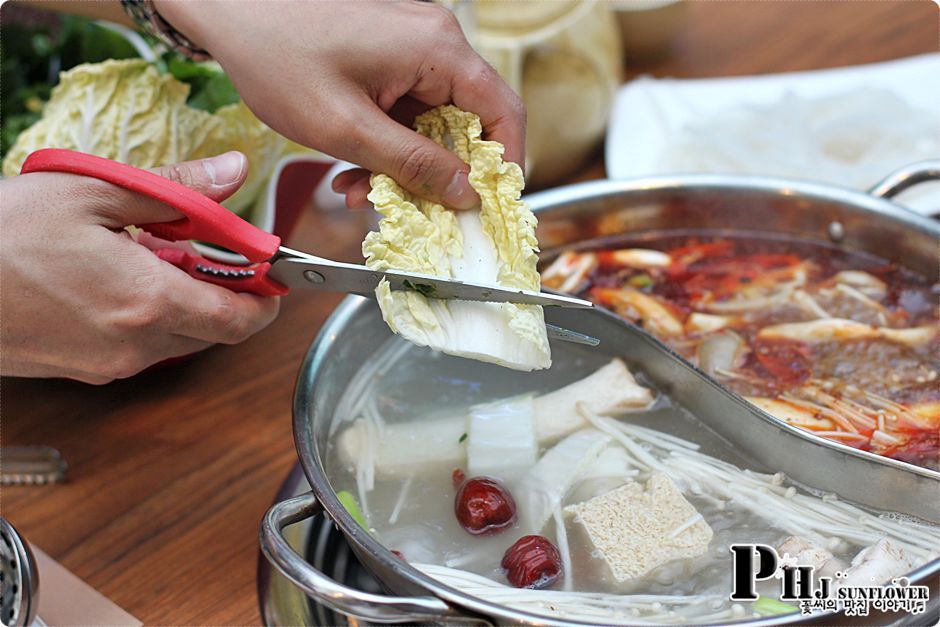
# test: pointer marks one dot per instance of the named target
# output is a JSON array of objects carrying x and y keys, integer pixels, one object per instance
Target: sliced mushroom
[
  {"x": 840, "y": 329},
  {"x": 808, "y": 304},
  {"x": 643, "y": 258},
  {"x": 721, "y": 351},
  {"x": 569, "y": 270},
  {"x": 862, "y": 281},
  {"x": 636, "y": 305},
  {"x": 789, "y": 413},
  {"x": 750, "y": 303},
  {"x": 860, "y": 296},
  {"x": 707, "y": 323}
]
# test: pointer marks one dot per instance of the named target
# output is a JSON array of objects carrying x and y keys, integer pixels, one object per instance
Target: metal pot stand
[{"x": 322, "y": 545}]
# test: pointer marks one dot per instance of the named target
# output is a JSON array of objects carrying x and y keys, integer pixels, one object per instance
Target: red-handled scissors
[{"x": 274, "y": 268}]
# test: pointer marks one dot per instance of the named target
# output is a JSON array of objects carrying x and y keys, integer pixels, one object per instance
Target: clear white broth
[{"x": 414, "y": 514}]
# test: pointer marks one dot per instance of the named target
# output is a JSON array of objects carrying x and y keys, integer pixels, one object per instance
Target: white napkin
[{"x": 651, "y": 118}]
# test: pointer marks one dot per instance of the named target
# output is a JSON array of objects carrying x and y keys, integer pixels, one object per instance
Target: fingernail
[
  {"x": 459, "y": 194},
  {"x": 225, "y": 169}
]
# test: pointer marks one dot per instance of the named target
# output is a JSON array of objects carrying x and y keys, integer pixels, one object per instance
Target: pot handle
[
  {"x": 349, "y": 601},
  {"x": 907, "y": 177}
]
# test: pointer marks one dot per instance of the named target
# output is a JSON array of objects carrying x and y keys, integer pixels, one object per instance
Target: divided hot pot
[{"x": 595, "y": 211}]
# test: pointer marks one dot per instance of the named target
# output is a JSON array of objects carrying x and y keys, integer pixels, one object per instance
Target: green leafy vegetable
[
  {"x": 640, "y": 281},
  {"x": 141, "y": 113},
  {"x": 463, "y": 438},
  {"x": 122, "y": 110},
  {"x": 352, "y": 506},
  {"x": 240, "y": 130},
  {"x": 767, "y": 606},
  {"x": 422, "y": 288},
  {"x": 210, "y": 88},
  {"x": 31, "y": 55},
  {"x": 35, "y": 49}
]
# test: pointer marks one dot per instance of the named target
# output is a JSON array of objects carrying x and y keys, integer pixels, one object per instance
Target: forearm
[
  {"x": 100, "y": 10},
  {"x": 306, "y": 70}
]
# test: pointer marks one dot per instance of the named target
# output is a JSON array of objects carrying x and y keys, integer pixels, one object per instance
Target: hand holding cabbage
[
  {"x": 348, "y": 78},
  {"x": 495, "y": 244}
]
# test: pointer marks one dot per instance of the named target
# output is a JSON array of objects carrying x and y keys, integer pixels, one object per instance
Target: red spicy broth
[{"x": 838, "y": 342}]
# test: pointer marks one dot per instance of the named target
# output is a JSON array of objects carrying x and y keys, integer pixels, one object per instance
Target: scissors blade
[{"x": 305, "y": 271}]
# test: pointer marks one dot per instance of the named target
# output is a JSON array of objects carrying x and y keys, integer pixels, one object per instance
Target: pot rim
[
  {"x": 546, "y": 202},
  {"x": 876, "y": 202}
]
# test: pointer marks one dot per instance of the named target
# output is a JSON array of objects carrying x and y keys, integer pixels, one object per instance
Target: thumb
[{"x": 215, "y": 177}]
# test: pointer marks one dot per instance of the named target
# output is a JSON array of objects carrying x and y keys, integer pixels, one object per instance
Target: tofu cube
[{"x": 635, "y": 528}]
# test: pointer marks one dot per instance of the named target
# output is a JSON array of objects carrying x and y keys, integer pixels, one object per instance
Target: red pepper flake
[{"x": 789, "y": 362}]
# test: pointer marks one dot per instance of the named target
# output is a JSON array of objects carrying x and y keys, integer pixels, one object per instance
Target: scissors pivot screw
[{"x": 313, "y": 276}]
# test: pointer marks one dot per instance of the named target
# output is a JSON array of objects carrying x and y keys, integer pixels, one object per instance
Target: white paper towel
[{"x": 650, "y": 114}]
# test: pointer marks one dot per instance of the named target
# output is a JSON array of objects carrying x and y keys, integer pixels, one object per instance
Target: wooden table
[{"x": 172, "y": 470}]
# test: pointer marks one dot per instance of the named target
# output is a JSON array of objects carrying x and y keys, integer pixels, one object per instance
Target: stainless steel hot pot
[{"x": 869, "y": 222}]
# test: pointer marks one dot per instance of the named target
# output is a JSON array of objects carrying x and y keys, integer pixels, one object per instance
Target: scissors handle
[
  {"x": 204, "y": 219},
  {"x": 250, "y": 279}
]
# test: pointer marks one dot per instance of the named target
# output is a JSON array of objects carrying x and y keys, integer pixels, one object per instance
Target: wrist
[
  {"x": 177, "y": 24},
  {"x": 184, "y": 16}
]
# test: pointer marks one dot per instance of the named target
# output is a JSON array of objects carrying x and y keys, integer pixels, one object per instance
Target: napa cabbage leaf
[
  {"x": 126, "y": 110},
  {"x": 495, "y": 244}
]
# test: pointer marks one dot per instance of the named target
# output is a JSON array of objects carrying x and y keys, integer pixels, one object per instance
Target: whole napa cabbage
[{"x": 129, "y": 112}]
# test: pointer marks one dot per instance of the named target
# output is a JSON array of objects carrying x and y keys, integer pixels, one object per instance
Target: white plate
[{"x": 648, "y": 113}]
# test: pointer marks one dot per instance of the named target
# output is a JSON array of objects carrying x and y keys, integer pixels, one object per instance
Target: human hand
[
  {"x": 348, "y": 78},
  {"x": 82, "y": 299}
]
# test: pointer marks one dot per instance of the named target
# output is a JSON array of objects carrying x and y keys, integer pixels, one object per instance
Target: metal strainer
[{"x": 19, "y": 578}]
